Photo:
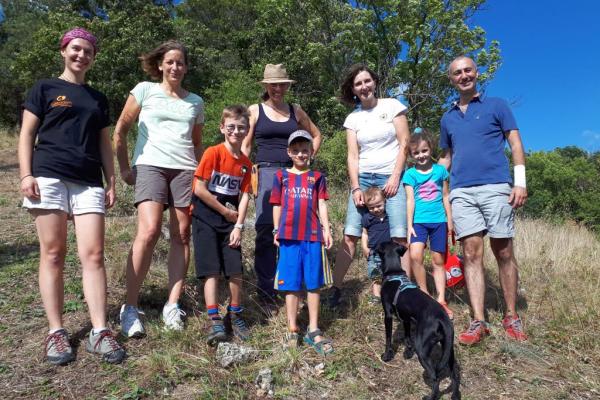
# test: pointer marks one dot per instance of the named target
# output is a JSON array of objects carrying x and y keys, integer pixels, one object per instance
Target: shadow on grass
[{"x": 18, "y": 253}]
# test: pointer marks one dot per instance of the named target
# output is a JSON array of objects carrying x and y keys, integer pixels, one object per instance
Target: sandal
[
  {"x": 322, "y": 347},
  {"x": 290, "y": 340}
]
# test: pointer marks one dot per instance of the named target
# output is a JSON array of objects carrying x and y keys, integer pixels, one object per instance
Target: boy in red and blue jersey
[{"x": 302, "y": 233}]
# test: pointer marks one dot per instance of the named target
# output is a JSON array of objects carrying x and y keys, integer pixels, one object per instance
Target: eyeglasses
[{"x": 240, "y": 128}]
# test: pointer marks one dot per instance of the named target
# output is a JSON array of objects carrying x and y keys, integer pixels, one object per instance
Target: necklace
[{"x": 64, "y": 78}]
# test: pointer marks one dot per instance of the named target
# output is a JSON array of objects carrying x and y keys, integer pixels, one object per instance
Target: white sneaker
[
  {"x": 131, "y": 325},
  {"x": 172, "y": 317}
]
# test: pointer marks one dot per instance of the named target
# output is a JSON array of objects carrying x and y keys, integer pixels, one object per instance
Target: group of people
[{"x": 208, "y": 191}]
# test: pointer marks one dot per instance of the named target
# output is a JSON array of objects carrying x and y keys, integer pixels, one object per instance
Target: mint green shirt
[{"x": 165, "y": 126}]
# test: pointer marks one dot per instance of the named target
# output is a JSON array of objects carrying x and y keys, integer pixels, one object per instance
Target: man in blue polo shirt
[{"x": 483, "y": 197}]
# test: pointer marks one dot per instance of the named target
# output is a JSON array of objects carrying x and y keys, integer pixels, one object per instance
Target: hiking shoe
[
  {"x": 58, "y": 349},
  {"x": 216, "y": 332},
  {"x": 447, "y": 309},
  {"x": 104, "y": 343},
  {"x": 172, "y": 317},
  {"x": 476, "y": 331},
  {"x": 131, "y": 325},
  {"x": 334, "y": 297},
  {"x": 514, "y": 328},
  {"x": 234, "y": 324}
]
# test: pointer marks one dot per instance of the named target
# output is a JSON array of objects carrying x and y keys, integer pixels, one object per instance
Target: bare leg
[
  {"x": 439, "y": 275},
  {"x": 52, "y": 233},
  {"x": 406, "y": 257},
  {"x": 235, "y": 287},
  {"x": 210, "y": 290},
  {"x": 417, "y": 268},
  {"x": 291, "y": 309},
  {"x": 376, "y": 289},
  {"x": 508, "y": 271},
  {"x": 89, "y": 229},
  {"x": 474, "y": 275},
  {"x": 312, "y": 298},
  {"x": 343, "y": 259},
  {"x": 179, "y": 252},
  {"x": 140, "y": 255}
]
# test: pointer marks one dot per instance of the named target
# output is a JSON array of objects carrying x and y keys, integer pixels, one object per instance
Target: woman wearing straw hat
[
  {"x": 61, "y": 179},
  {"x": 271, "y": 124}
]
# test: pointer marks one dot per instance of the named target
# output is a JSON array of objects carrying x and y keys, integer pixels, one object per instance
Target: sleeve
[
  {"x": 349, "y": 122},
  {"x": 364, "y": 220},
  {"x": 140, "y": 91},
  {"x": 246, "y": 186},
  {"x": 505, "y": 116},
  {"x": 35, "y": 101},
  {"x": 445, "y": 142},
  {"x": 322, "y": 193},
  {"x": 396, "y": 108},
  {"x": 105, "y": 112},
  {"x": 444, "y": 172},
  {"x": 207, "y": 164},
  {"x": 275, "y": 198},
  {"x": 408, "y": 178},
  {"x": 200, "y": 116}
]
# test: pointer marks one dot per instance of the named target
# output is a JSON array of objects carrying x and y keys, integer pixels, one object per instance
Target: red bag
[{"x": 454, "y": 266}]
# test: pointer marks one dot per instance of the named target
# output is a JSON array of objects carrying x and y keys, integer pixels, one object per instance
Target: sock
[
  {"x": 51, "y": 331},
  {"x": 213, "y": 312},
  {"x": 235, "y": 308},
  {"x": 169, "y": 307},
  {"x": 97, "y": 331}
]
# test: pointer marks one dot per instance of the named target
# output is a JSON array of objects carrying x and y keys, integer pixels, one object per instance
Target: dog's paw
[
  {"x": 387, "y": 356},
  {"x": 408, "y": 353}
]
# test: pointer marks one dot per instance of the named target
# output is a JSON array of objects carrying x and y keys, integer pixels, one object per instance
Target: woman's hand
[
  {"x": 110, "y": 196},
  {"x": 391, "y": 186},
  {"x": 29, "y": 188},
  {"x": 128, "y": 176},
  {"x": 357, "y": 197}
]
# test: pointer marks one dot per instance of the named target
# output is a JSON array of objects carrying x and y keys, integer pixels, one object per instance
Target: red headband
[{"x": 79, "y": 33}]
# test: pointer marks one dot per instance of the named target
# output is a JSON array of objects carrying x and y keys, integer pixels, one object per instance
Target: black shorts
[{"x": 212, "y": 253}]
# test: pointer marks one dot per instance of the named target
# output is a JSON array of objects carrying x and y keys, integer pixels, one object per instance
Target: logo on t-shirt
[
  {"x": 298, "y": 193},
  {"x": 61, "y": 101},
  {"x": 225, "y": 184},
  {"x": 428, "y": 191},
  {"x": 383, "y": 116}
]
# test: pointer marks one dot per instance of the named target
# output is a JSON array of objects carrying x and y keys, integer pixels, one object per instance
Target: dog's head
[{"x": 390, "y": 253}]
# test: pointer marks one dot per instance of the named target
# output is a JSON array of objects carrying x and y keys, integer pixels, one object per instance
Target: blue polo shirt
[{"x": 477, "y": 141}]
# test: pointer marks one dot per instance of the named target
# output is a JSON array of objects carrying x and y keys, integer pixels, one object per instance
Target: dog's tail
[{"x": 447, "y": 345}]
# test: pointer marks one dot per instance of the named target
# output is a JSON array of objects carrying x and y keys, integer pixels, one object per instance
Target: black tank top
[{"x": 271, "y": 137}]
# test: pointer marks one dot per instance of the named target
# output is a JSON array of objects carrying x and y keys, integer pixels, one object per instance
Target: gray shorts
[
  {"x": 484, "y": 209},
  {"x": 171, "y": 187}
]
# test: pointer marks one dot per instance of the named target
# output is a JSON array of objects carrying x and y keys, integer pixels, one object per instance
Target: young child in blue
[
  {"x": 376, "y": 230},
  {"x": 301, "y": 232},
  {"x": 428, "y": 214}
]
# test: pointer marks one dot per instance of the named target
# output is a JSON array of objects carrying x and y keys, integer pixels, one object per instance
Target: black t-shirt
[
  {"x": 377, "y": 228},
  {"x": 68, "y": 138}
]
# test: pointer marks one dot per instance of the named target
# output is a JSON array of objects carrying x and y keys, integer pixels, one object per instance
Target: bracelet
[
  {"x": 239, "y": 226},
  {"x": 28, "y": 175},
  {"x": 354, "y": 190},
  {"x": 275, "y": 231},
  {"x": 520, "y": 179}
]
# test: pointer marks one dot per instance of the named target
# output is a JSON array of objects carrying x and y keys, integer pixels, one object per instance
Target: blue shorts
[
  {"x": 395, "y": 207},
  {"x": 374, "y": 266},
  {"x": 437, "y": 234},
  {"x": 302, "y": 264}
]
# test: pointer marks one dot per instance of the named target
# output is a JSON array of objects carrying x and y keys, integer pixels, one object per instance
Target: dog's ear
[
  {"x": 380, "y": 249},
  {"x": 400, "y": 250}
]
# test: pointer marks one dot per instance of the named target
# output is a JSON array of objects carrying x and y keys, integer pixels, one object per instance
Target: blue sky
[{"x": 550, "y": 68}]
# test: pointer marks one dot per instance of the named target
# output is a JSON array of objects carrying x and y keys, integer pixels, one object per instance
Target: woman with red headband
[{"x": 61, "y": 179}]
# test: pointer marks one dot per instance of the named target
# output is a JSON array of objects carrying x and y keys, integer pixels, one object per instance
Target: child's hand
[
  {"x": 231, "y": 216},
  {"x": 450, "y": 227},
  {"x": 235, "y": 238},
  {"x": 327, "y": 239},
  {"x": 411, "y": 233},
  {"x": 276, "y": 239}
]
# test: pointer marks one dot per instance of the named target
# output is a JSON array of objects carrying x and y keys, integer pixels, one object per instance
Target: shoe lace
[
  {"x": 239, "y": 322},
  {"x": 109, "y": 339},
  {"x": 516, "y": 325},
  {"x": 59, "y": 340},
  {"x": 175, "y": 314},
  {"x": 474, "y": 327}
]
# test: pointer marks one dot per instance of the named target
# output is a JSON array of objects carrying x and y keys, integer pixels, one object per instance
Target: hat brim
[{"x": 277, "y": 80}]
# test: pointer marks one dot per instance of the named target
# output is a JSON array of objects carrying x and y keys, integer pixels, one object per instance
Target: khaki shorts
[
  {"x": 484, "y": 209},
  {"x": 72, "y": 198},
  {"x": 171, "y": 187}
]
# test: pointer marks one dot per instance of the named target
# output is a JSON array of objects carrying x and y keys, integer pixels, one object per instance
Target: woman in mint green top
[{"x": 169, "y": 141}]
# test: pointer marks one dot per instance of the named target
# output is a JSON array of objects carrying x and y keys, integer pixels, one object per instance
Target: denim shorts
[
  {"x": 374, "y": 266},
  {"x": 483, "y": 208},
  {"x": 395, "y": 207}
]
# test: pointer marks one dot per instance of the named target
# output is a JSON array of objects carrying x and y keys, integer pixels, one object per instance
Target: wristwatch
[
  {"x": 239, "y": 226},
  {"x": 275, "y": 230}
]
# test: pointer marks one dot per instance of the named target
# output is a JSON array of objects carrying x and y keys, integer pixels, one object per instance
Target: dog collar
[{"x": 405, "y": 283}]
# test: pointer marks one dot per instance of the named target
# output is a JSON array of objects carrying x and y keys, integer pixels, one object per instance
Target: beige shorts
[{"x": 72, "y": 198}]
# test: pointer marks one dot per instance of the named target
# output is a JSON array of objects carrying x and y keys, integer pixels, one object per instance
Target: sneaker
[
  {"x": 234, "y": 324},
  {"x": 131, "y": 325},
  {"x": 216, "y": 332},
  {"x": 104, "y": 343},
  {"x": 514, "y": 328},
  {"x": 172, "y": 317},
  {"x": 477, "y": 330},
  {"x": 447, "y": 309},
  {"x": 334, "y": 297},
  {"x": 58, "y": 349}
]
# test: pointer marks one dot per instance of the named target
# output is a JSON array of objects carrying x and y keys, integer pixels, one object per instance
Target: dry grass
[{"x": 559, "y": 298}]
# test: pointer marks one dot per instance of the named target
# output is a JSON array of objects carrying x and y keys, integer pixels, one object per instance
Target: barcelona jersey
[{"x": 299, "y": 195}]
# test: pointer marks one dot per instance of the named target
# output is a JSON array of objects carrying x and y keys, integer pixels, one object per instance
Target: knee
[
  {"x": 472, "y": 257},
  {"x": 149, "y": 234},
  {"x": 181, "y": 237},
  {"x": 505, "y": 257},
  {"x": 92, "y": 257},
  {"x": 54, "y": 256}
]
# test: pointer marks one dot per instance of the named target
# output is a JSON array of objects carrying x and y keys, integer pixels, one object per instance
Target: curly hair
[
  {"x": 152, "y": 59},
  {"x": 347, "y": 96}
]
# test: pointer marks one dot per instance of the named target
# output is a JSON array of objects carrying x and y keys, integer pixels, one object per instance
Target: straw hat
[{"x": 276, "y": 73}]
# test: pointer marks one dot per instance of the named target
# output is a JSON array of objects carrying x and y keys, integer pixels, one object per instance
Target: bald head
[
  {"x": 464, "y": 59},
  {"x": 463, "y": 76}
]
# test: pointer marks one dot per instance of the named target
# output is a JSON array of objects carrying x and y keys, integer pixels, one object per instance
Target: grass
[{"x": 558, "y": 298}]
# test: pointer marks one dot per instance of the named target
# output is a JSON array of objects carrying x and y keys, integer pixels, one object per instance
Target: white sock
[
  {"x": 97, "y": 331},
  {"x": 51, "y": 331},
  {"x": 169, "y": 306}
]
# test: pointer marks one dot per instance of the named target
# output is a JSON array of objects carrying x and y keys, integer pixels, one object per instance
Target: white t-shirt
[
  {"x": 165, "y": 127},
  {"x": 376, "y": 136}
]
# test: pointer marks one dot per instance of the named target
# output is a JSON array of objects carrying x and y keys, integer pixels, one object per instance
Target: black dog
[{"x": 403, "y": 298}]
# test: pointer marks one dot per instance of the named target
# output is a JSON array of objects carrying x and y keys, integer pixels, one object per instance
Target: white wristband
[{"x": 520, "y": 179}]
